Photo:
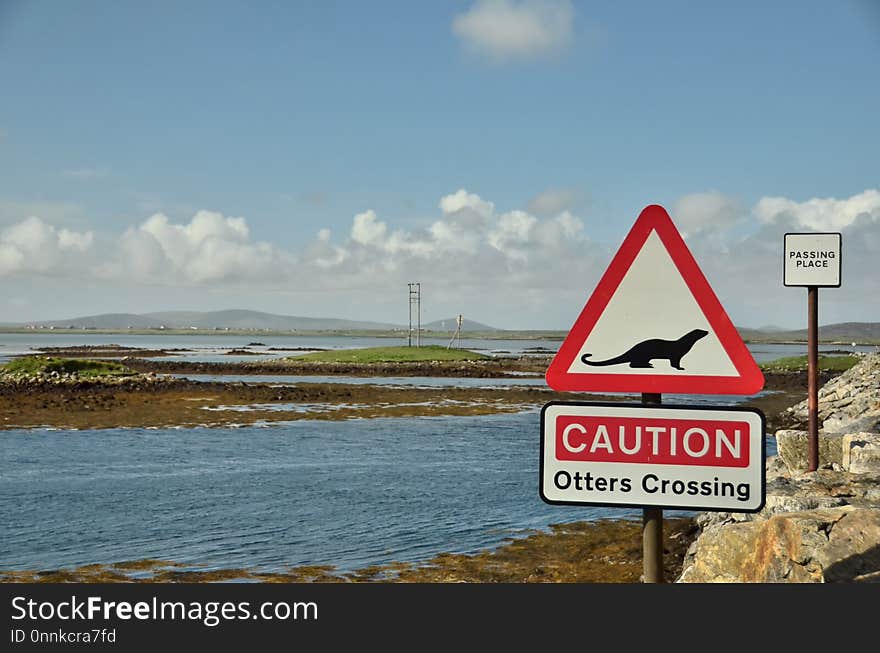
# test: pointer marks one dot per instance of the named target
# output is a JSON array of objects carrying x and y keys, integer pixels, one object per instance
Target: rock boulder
[
  {"x": 849, "y": 402},
  {"x": 815, "y": 527}
]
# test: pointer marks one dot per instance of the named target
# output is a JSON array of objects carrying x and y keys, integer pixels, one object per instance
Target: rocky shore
[
  {"x": 496, "y": 368},
  {"x": 146, "y": 398},
  {"x": 816, "y": 527},
  {"x": 154, "y": 401}
]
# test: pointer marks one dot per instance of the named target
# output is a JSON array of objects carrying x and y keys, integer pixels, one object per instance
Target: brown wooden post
[
  {"x": 652, "y": 524},
  {"x": 813, "y": 378}
]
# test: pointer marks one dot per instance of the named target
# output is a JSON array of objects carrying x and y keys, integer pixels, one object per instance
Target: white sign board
[
  {"x": 667, "y": 456},
  {"x": 812, "y": 259}
]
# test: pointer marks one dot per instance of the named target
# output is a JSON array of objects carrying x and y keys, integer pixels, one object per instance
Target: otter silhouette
[{"x": 641, "y": 354}]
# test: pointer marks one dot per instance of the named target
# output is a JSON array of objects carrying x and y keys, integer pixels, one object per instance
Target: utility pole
[
  {"x": 410, "y": 302},
  {"x": 456, "y": 337},
  {"x": 415, "y": 297}
]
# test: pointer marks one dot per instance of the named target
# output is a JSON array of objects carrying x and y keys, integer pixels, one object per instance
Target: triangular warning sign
[{"x": 653, "y": 324}]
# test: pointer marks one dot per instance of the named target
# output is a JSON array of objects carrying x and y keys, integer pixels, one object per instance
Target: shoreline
[
  {"x": 513, "y": 367},
  {"x": 595, "y": 551},
  {"x": 152, "y": 401}
]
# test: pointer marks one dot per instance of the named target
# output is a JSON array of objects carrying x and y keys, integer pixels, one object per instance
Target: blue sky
[{"x": 210, "y": 155}]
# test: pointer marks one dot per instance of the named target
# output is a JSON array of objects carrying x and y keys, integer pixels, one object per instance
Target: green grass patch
[
  {"x": 392, "y": 355},
  {"x": 33, "y": 365},
  {"x": 799, "y": 363}
]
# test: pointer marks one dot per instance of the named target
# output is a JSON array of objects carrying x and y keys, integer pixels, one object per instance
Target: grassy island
[
  {"x": 426, "y": 353},
  {"x": 799, "y": 363},
  {"x": 49, "y": 366}
]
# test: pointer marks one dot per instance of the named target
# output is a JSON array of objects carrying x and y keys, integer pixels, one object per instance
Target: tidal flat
[{"x": 145, "y": 400}]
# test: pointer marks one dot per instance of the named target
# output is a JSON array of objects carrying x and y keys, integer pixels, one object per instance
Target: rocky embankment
[{"x": 821, "y": 526}]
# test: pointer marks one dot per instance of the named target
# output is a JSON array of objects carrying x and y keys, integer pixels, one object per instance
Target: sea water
[{"x": 343, "y": 493}]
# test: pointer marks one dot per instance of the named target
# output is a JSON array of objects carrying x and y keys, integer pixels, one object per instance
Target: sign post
[
  {"x": 652, "y": 525},
  {"x": 812, "y": 260},
  {"x": 653, "y": 325},
  {"x": 812, "y": 378}
]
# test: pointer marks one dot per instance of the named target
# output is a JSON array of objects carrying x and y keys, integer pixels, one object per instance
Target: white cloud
[
  {"x": 708, "y": 210},
  {"x": 142, "y": 259},
  {"x": 323, "y": 253},
  {"x": 746, "y": 271},
  {"x": 513, "y": 234},
  {"x": 34, "y": 246},
  {"x": 469, "y": 234},
  {"x": 510, "y": 29},
  {"x": 552, "y": 201},
  {"x": 509, "y": 267},
  {"x": 211, "y": 248},
  {"x": 74, "y": 240},
  {"x": 463, "y": 201},
  {"x": 469, "y": 244},
  {"x": 562, "y": 228},
  {"x": 820, "y": 214},
  {"x": 368, "y": 229}
]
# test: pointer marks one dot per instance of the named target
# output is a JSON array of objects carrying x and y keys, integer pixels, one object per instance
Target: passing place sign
[{"x": 812, "y": 259}]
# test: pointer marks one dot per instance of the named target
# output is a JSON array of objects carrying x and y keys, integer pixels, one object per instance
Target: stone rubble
[
  {"x": 815, "y": 527},
  {"x": 849, "y": 402}
]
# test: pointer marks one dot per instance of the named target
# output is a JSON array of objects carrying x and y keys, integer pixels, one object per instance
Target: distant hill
[
  {"x": 844, "y": 332},
  {"x": 231, "y": 319},
  {"x": 770, "y": 327},
  {"x": 242, "y": 319},
  {"x": 106, "y": 321},
  {"x": 237, "y": 319},
  {"x": 748, "y": 334},
  {"x": 449, "y": 325}
]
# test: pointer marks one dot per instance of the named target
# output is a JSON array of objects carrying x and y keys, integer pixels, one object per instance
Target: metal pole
[
  {"x": 409, "y": 302},
  {"x": 813, "y": 378},
  {"x": 419, "y": 315},
  {"x": 652, "y": 524}
]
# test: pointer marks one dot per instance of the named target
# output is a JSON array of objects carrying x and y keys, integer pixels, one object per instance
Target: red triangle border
[{"x": 655, "y": 218}]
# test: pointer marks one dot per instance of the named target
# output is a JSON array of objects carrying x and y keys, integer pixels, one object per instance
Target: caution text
[{"x": 652, "y": 440}]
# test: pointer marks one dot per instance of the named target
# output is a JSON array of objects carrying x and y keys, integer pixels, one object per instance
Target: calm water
[
  {"x": 207, "y": 348},
  {"x": 395, "y": 381},
  {"x": 343, "y": 493},
  {"x": 214, "y": 347}
]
